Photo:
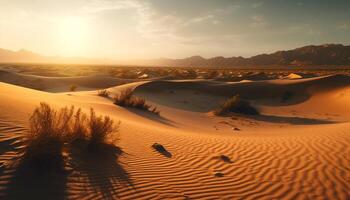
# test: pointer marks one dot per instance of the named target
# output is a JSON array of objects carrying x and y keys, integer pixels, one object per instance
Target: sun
[{"x": 72, "y": 35}]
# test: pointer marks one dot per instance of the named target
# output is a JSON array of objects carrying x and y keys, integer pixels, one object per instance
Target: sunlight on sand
[{"x": 295, "y": 149}]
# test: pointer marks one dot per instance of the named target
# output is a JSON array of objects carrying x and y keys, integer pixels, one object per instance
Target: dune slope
[{"x": 279, "y": 155}]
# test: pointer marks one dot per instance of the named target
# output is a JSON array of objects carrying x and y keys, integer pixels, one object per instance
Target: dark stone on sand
[
  {"x": 161, "y": 149},
  {"x": 225, "y": 159},
  {"x": 219, "y": 174}
]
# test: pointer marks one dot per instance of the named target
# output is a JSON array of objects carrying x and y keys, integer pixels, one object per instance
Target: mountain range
[{"x": 327, "y": 54}]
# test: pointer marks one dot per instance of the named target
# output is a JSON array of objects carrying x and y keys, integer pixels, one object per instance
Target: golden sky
[{"x": 127, "y": 29}]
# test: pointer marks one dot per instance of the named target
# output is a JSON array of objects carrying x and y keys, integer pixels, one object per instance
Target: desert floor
[{"x": 297, "y": 148}]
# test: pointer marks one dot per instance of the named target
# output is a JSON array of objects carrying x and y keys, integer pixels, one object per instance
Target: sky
[{"x": 146, "y": 29}]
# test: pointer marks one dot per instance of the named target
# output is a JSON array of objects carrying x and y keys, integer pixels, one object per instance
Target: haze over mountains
[
  {"x": 328, "y": 54},
  {"x": 26, "y": 56}
]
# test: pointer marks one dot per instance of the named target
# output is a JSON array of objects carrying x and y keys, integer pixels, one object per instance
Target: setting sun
[{"x": 72, "y": 36}]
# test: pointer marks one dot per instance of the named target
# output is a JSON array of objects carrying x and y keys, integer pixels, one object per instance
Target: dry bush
[
  {"x": 138, "y": 103},
  {"x": 46, "y": 136},
  {"x": 155, "y": 110},
  {"x": 237, "y": 105},
  {"x": 126, "y": 99},
  {"x": 103, "y": 93},
  {"x": 73, "y": 88},
  {"x": 50, "y": 129},
  {"x": 100, "y": 128},
  {"x": 78, "y": 127},
  {"x": 93, "y": 130}
]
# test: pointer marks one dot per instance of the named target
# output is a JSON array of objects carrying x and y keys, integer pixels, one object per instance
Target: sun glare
[{"x": 72, "y": 35}]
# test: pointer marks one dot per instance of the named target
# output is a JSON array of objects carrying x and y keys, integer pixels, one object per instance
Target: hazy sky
[{"x": 125, "y": 29}]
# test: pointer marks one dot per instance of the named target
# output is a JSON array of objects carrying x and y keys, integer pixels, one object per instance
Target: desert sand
[{"x": 298, "y": 148}]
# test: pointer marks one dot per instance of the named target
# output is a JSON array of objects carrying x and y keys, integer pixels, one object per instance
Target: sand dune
[
  {"x": 60, "y": 84},
  {"x": 297, "y": 149}
]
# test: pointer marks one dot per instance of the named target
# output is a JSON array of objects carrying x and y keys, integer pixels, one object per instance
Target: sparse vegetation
[
  {"x": 126, "y": 99},
  {"x": 173, "y": 73},
  {"x": 73, "y": 88},
  {"x": 155, "y": 110},
  {"x": 46, "y": 136},
  {"x": 100, "y": 129},
  {"x": 78, "y": 127},
  {"x": 103, "y": 93},
  {"x": 51, "y": 129},
  {"x": 237, "y": 105}
]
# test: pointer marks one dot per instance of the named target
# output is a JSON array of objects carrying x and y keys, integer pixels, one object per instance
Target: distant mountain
[
  {"x": 20, "y": 56},
  {"x": 328, "y": 54},
  {"x": 25, "y": 56}
]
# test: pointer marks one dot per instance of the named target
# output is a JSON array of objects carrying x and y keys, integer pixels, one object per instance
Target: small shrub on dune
[
  {"x": 73, "y": 88},
  {"x": 139, "y": 103},
  {"x": 126, "y": 99},
  {"x": 101, "y": 129},
  {"x": 50, "y": 130},
  {"x": 155, "y": 110},
  {"x": 103, "y": 93},
  {"x": 46, "y": 136},
  {"x": 78, "y": 127},
  {"x": 237, "y": 105}
]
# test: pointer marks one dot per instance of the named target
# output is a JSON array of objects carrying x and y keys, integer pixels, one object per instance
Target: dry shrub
[
  {"x": 78, "y": 128},
  {"x": 126, "y": 99},
  {"x": 155, "y": 110},
  {"x": 50, "y": 129},
  {"x": 100, "y": 128},
  {"x": 103, "y": 93},
  {"x": 237, "y": 105},
  {"x": 73, "y": 88},
  {"x": 46, "y": 136}
]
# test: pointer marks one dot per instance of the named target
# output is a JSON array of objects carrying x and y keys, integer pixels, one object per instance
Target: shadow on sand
[
  {"x": 152, "y": 116},
  {"x": 29, "y": 181},
  {"x": 290, "y": 120},
  {"x": 8, "y": 144},
  {"x": 99, "y": 166}
]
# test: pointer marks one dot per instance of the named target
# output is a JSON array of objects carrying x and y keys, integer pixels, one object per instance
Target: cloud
[
  {"x": 307, "y": 29},
  {"x": 343, "y": 26},
  {"x": 257, "y": 4},
  {"x": 200, "y": 19},
  {"x": 96, "y": 6},
  {"x": 117, "y": 26},
  {"x": 258, "y": 21}
]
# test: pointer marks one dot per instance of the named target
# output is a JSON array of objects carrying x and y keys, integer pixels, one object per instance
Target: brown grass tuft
[
  {"x": 103, "y": 93},
  {"x": 46, "y": 136},
  {"x": 237, "y": 105},
  {"x": 73, "y": 88},
  {"x": 50, "y": 130},
  {"x": 100, "y": 128},
  {"x": 126, "y": 99}
]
